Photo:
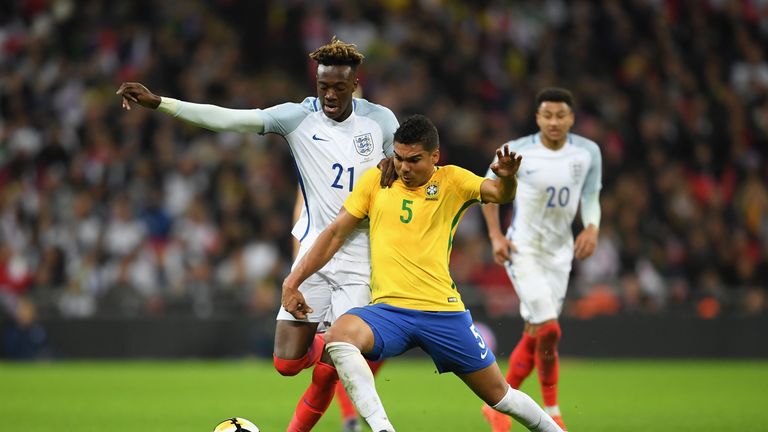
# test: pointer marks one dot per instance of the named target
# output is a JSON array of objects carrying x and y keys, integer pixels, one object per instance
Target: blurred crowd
[{"x": 129, "y": 213}]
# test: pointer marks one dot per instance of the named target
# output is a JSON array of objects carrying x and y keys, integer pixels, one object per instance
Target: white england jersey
[
  {"x": 549, "y": 186},
  {"x": 330, "y": 157}
]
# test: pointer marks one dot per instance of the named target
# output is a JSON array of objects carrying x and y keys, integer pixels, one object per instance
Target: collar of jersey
[
  {"x": 333, "y": 123},
  {"x": 537, "y": 140}
]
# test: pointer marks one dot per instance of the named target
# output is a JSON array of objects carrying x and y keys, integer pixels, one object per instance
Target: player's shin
[
  {"x": 357, "y": 377},
  {"x": 521, "y": 360},
  {"x": 526, "y": 411},
  {"x": 547, "y": 361},
  {"x": 346, "y": 407},
  {"x": 316, "y": 399}
]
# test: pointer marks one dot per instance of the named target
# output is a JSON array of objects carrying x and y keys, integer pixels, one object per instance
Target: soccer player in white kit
[
  {"x": 334, "y": 139},
  {"x": 559, "y": 170}
]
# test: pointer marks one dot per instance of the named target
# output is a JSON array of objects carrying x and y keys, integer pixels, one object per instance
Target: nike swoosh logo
[
  {"x": 483, "y": 355},
  {"x": 529, "y": 172},
  {"x": 317, "y": 138}
]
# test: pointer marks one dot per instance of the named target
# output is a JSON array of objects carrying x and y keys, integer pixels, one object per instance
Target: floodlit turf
[{"x": 191, "y": 396}]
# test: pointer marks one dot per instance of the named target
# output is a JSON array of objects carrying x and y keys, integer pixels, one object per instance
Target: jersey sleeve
[
  {"x": 594, "y": 181},
  {"x": 389, "y": 125},
  {"x": 214, "y": 117},
  {"x": 466, "y": 183},
  {"x": 285, "y": 118},
  {"x": 358, "y": 203},
  {"x": 386, "y": 120}
]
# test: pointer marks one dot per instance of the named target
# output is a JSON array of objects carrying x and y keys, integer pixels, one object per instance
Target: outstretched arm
[
  {"x": 327, "y": 244},
  {"x": 502, "y": 189},
  {"x": 204, "y": 115}
]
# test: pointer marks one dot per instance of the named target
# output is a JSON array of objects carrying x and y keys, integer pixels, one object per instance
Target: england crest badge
[
  {"x": 577, "y": 170},
  {"x": 364, "y": 144}
]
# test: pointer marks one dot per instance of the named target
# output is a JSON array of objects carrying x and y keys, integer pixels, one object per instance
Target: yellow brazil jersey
[{"x": 411, "y": 236}]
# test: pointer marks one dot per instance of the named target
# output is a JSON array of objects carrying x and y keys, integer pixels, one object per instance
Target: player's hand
[
  {"x": 137, "y": 93},
  {"x": 388, "y": 172},
  {"x": 293, "y": 302},
  {"x": 507, "y": 162},
  {"x": 586, "y": 242},
  {"x": 503, "y": 249}
]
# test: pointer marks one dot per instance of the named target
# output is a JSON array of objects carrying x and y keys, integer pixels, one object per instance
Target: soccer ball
[{"x": 236, "y": 424}]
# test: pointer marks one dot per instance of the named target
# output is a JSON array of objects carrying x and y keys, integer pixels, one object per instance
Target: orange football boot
[
  {"x": 499, "y": 422},
  {"x": 559, "y": 420}
]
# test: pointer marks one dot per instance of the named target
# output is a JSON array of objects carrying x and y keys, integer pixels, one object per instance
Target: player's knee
[
  {"x": 336, "y": 334},
  {"x": 548, "y": 335},
  {"x": 496, "y": 392},
  {"x": 286, "y": 367},
  {"x": 291, "y": 358},
  {"x": 345, "y": 329}
]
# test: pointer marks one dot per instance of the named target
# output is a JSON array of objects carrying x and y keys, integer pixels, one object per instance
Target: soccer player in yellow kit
[{"x": 414, "y": 301}]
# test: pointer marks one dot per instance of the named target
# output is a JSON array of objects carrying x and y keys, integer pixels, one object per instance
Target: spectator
[{"x": 143, "y": 208}]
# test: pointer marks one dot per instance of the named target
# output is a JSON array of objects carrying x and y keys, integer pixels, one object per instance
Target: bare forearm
[
  {"x": 507, "y": 189},
  {"x": 324, "y": 248},
  {"x": 500, "y": 190},
  {"x": 296, "y": 215},
  {"x": 492, "y": 220}
]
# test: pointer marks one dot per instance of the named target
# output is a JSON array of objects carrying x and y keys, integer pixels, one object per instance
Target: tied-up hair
[{"x": 338, "y": 53}]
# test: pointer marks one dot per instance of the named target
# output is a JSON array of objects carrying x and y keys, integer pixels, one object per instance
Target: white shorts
[
  {"x": 541, "y": 289},
  {"x": 338, "y": 287}
]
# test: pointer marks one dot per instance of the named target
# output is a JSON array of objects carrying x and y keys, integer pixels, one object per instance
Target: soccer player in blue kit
[{"x": 414, "y": 301}]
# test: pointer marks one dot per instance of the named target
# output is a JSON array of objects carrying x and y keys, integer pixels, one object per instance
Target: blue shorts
[{"x": 450, "y": 338}]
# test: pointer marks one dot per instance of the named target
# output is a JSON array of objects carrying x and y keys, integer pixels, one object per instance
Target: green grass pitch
[{"x": 193, "y": 396}]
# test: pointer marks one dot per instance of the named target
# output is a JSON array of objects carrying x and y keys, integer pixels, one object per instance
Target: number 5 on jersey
[{"x": 408, "y": 215}]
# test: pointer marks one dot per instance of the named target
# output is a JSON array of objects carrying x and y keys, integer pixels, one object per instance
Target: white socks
[
  {"x": 523, "y": 409},
  {"x": 552, "y": 410},
  {"x": 357, "y": 378}
]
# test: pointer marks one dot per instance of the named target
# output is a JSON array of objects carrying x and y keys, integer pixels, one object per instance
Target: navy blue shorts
[{"x": 450, "y": 338}]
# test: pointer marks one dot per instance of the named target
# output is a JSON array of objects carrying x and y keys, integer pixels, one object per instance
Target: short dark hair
[
  {"x": 418, "y": 129},
  {"x": 554, "y": 94},
  {"x": 338, "y": 53}
]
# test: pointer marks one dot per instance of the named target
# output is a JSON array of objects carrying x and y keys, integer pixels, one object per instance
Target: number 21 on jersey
[{"x": 337, "y": 182}]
